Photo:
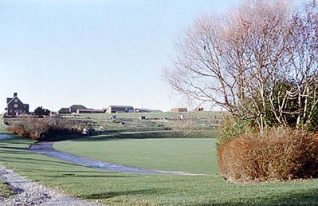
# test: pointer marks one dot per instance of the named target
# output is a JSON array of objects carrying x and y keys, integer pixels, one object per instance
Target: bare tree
[{"x": 254, "y": 62}]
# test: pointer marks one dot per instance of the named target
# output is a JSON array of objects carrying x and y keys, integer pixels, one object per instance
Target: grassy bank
[
  {"x": 153, "y": 121},
  {"x": 124, "y": 189}
]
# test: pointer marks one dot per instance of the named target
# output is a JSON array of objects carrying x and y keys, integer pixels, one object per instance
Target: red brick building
[{"x": 15, "y": 106}]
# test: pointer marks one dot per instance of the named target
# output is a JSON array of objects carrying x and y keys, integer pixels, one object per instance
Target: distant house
[
  {"x": 177, "y": 110},
  {"x": 64, "y": 111},
  {"x": 76, "y": 107},
  {"x": 200, "y": 109},
  {"x": 90, "y": 111},
  {"x": 120, "y": 109},
  {"x": 15, "y": 106},
  {"x": 79, "y": 109}
]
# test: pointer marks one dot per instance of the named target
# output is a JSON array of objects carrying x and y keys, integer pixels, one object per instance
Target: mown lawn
[
  {"x": 124, "y": 189},
  {"x": 182, "y": 154}
]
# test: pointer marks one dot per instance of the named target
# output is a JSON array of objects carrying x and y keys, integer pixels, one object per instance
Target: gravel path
[
  {"x": 31, "y": 193},
  {"x": 46, "y": 148}
]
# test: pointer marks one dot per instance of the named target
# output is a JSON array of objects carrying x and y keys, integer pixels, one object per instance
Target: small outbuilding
[
  {"x": 76, "y": 107},
  {"x": 120, "y": 109},
  {"x": 90, "y": 111}
]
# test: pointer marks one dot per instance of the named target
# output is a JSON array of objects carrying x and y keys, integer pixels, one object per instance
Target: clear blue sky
[{"x": 95, "y": 53}]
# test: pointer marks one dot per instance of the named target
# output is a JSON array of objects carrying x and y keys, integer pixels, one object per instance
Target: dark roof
[
  {"x": 77, "y": 106},
  {"x": 121, "y": 106},
  {"x": 9, "y": 100}
]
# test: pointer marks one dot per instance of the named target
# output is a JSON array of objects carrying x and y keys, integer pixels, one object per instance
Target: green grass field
[
  {"x": 125, "y": 189},
  {"x": 182, "y": 154}
]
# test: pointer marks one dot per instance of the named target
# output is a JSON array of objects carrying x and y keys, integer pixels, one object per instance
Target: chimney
[{"x": 15, "y": 94}]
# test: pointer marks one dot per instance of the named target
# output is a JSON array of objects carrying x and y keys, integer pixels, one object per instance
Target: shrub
[
  {"x": 313, "y": 126},
  {"x": 283, "y": 154},
  {"x": 231, "y": 128},
  {"x": 40, "y": 128}
]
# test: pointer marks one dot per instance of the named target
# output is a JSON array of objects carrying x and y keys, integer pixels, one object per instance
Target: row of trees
[{"x": 259, "y": 62}]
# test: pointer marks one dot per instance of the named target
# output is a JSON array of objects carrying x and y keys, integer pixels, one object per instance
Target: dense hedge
[{"x": 283, "y": 154}]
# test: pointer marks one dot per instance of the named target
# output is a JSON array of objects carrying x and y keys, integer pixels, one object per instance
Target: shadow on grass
[
  {"x": 304, "y": 197},
  {"x": 134, "y": 135},
  {"x": 13, "y": 139},
  {"x": 4, "y": 133},
  {"x": 33, "y": 161},
  {"x": 8, "y": 148},
  {"x": 108, "y": 195},
  {"x": 114, "y": 135},
  {"x": 75, "y": 175},
  {"x": 62, "y": 173}
]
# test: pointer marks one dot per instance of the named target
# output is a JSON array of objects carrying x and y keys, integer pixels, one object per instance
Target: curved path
[
  {"x": 30, "y": 193},
  {"x": 46, "y": 148}
]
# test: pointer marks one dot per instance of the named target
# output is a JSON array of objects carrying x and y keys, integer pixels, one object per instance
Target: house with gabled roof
[
  {"x": 15, "y": 106},
  {"x": 76, "y": 107},
  {"x": 80, "y": 109}
]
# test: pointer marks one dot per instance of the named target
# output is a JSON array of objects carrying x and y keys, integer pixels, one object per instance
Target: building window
[
  {"x": 15, "y": 105},
  {"x": 16, "y": 100}
]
